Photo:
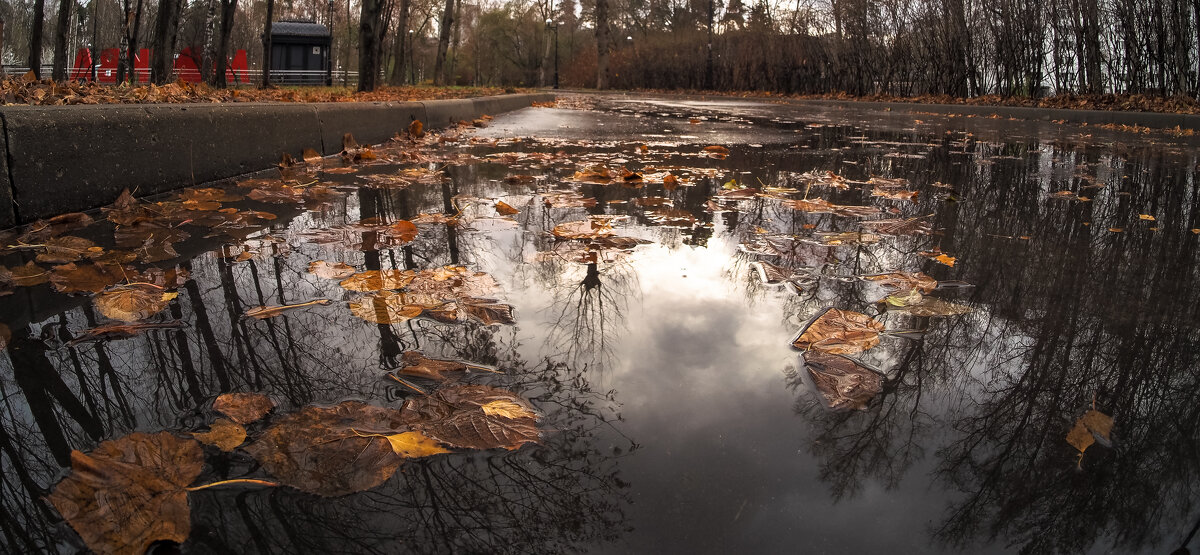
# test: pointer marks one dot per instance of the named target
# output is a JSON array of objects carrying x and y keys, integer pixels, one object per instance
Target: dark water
[{"x": 676, "y": 416}]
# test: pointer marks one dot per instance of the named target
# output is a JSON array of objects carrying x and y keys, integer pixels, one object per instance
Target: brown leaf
[
  {"x": 416, "y": 129},
  {"x": 311, "y": 157},
  {"x": 85, "y": 278},
  {"x": 243, "y": 408},
  {"x": 455, "y": 416},
  {"x": 378, "y": 280},
  {"x": 384, "y": 307},
  {"x": 919, "y": 305},
  {"x": 264, "y": 312},
  {"x": 590, "y": 228},
  {"x": 488, "y": 311},
  {"x": 130, "y": 303},
  {"x": 842, "y": 332},
  {"x": 223, "y": 434},
  {"x": 66, "y": 249},
  {"x": 1091, "y": 425},
  {"x": 26, "y": 276},
  {"x": 904, "y": 281},
  {"x": 842, "y": 382},
  {"x": 323, "y": 269},
  {"x": 129, "y": 492},
  {"x": 331, "y": 451},
  {"x": 402, "y": 231},
  {"x": 123, "y": 331},
  {"x": 504, "y": 209},
  {"x": 5, "y": 335},
  {"x": 417, "y": 364}
]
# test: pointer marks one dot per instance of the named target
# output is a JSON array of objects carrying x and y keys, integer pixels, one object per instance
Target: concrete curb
[{"x": 71, "y": 158}]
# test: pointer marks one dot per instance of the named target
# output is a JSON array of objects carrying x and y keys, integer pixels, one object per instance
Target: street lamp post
[{"x": 553, "y": 26}]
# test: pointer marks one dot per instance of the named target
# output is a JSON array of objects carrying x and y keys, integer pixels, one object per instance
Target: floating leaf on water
[
  {"x": 5, "y": 335},
  {"x": 716, "y": 152},
  {"x": 488, "y": 311},
  {"x": 223, "y": 434},
  {"x": 85, "y": 278},
  {"x": 591, "y": 228},
  {"x": 325, "y": 270},
  {"x": 841, "y": 332},
  {"x": 504, "y": 209},
  {"x": 264, "y": 312},
  {"x": 900, "y": 226},
  {"x": 331, "y": 451},
  {"x": 39, "y": 231},
  {"x": 378, "y": 280},
  {"x": 835, "y": 239},
  {"x": 455, "y": 417},
  {"x": 567, "y": 200},
  {"x": 28, "y": 275},
  {"x": 919, "y": 305},
  {"x": 842, "y": 382},
  {"x": 402, "y": 231},
  {"x": 1093, "y": 424},
  {"x": 411, "y": 445},
  {"x": 894, "y": 194},
  {"x": 123, "y": 331},
  {"x": 129, "y": 492},
  {"x": 243, "y": 408},
  {"x": 940, "y": 257},
  {"x": 131, "y": 303},
  {"x": 384, "y": 307},
  {"x": 311, "y": 157},
  {"x": 67, "y": 248},
  {"x": 1146, "y": 217},
  {"x": 904, "y": 280},
  {"x": 594, "y": 174},
  {"x": 771, "y": 274},
  {"x": 421, "y": 366}
]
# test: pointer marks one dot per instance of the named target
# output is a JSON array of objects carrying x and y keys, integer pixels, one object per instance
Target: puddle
[{"x": 636, "y": 350}]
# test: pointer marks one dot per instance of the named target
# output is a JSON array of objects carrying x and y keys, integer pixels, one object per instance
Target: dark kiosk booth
[{"x": 299, "y": 53}]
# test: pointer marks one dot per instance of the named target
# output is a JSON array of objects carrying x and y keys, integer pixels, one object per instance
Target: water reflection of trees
[
  {"x": 556, "y": 496},
  {"x": 1076, "y": 315}
]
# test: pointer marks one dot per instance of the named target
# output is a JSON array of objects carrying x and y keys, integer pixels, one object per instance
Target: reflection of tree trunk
[
  {"x": 187, "y": 366},
  {"x": 107, "y": 372},
  {"x": 41, "y": 385},
  {"x": 390, "y": 348},
  {"x": 451, "y": 232},
  {"x": 216, "y": 358}
]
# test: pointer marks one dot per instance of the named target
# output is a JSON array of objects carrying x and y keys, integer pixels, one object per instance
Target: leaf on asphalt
[
  {"x": 455, "y": 416},
  {"x": 904, "y": 281},
  {"x": 842, "y": 332},
  {"x": 488, "y": 311},
  {"x": 223, "y": 434},
  {"x": 123, "y": 331},
  {"x": 85, "y": 278},
  {"x": 919, "y": 305},
  {"x": 504, "y": 209},
  {"x": 384, "y": 307},
  {"x": 243, "y": 408},
  {"x": 416, "y": 129},
  {"x": 421, "y": 366},
  {"x": 324, "y": 269},
  {"x": 378, "y": 280},
  {"x": 129, "y": 492},
  {"x": 842, "y": 382},
  {"x": 68, "y": 248},
  {"x": 264, "y": 312},
  {"x": 131, "y": 303},
  {"x": 1092, "y": 425}
]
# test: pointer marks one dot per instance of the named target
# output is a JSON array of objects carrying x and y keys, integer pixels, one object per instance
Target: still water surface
[{"x": 676, "y": 416}]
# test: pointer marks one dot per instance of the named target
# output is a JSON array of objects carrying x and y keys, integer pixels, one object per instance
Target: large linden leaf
[
  {"x": 130, "y": 492},
  {"x": 243, "y": 408},
  {"x": 131, "y": 303},
  {"x": 842, "y": 332}
]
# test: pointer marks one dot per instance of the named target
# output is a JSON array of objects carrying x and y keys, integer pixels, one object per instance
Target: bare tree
[
  {"x": 602, "y": 42},
  {"x": 370, "y": 36},
  {"x": 439, "y": 62},
  {"x": 398, "y": 45},
  {"x": 59, "y": 72},
  {"x": 206, "y": 41},
  {"x": 266, "y": 45},
  {"x": 130, "y": 26},
  {"x": 228, "y": 14},
  {"x": 166, "y": 29},
  {"x": 35, "y": 37}
]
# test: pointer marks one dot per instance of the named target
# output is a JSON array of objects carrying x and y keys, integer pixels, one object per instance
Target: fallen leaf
[
  {"x": 504, "y": 209},
  {"x": 841, "y": 332},
  {"x": 311, "y": 157},
  {"x": 130, "y": 303},
  {"x": 323, "y": 269},
  {"x": 488, "y": 311},
  {"x": 940, "y": 257},
  {"x": 1093, "y": 424},
  {"x": 65, "y": 249},
  {"x": 904, "y": 281},
  {"x": 384, "y": 307},
  {"x": 223, "y": 434},
  {"x": 28, "y": 275},
  {"x": 455, "y": 417},
  {"x": 264, "y": 312},
  {"x": 378, "y": 280},
  {"x": 419, "y": 365},
  {"x": 919, "y": 305},
  {"x": 411, "y": 445},
  {"x": 842, "y": 382},
  {"x": 416, "y": 129},
  {"x": 243, "y": 408},
  {"x": 5, "y": 335},
  {"x": 331, "y": 451},
  {"x": 1146, "y": 217},
  {"x": 123, "y": 331},
  {"x": 129, "y": 492}
]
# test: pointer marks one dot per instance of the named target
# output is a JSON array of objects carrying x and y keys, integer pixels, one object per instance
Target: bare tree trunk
[
  {"x": 370, "y": 33},
  {"x": 1091, "y": 45},
  {"x": 129, "y": 40},
  {"x": 166, "y": 28},
  {"x": 206, "y": 42},
  {"x": 228, "y": 14},
  {"x": 439, "y": 60},
  {"x": 59, "y": 72},
  {"x": 35, "y": 37},
  {"x": 398, "y": 46},
  {"x": 266, "y": 43},
  {"x": 602, "y": 40},
  {"x": 455, "y": 34}
]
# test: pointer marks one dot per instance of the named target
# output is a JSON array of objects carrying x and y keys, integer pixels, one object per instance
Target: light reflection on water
[{"x": 678, "y": 418}]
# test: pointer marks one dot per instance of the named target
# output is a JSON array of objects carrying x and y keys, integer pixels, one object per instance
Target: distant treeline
[{"x": 896, "y": 47}]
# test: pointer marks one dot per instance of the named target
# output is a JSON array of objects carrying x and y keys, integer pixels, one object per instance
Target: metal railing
[{"x": 238, "y": 78}]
